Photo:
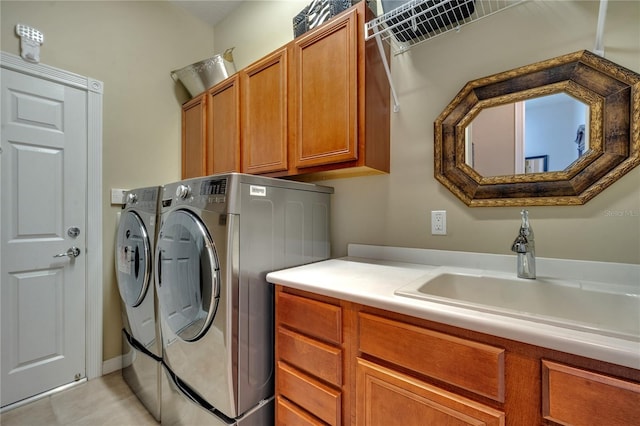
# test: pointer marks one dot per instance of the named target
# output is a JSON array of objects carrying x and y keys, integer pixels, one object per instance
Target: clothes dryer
[
  {"x": 219, "y": 237},
  {"x": 141, "y": 342}
]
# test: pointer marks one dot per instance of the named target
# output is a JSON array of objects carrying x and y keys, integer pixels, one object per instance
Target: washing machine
[
  {"x": 141, "y": 341},
  {"x": 219, "y": 236}
]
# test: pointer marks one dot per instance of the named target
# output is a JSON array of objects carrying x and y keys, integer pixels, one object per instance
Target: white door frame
[{"x": 94, "y": 278}]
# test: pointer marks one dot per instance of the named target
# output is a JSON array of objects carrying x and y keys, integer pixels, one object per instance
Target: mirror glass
[{"x": 543, "y": 134}]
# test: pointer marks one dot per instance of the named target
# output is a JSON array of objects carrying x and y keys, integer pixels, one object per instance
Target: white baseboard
[{"x": 111, "y": 365}]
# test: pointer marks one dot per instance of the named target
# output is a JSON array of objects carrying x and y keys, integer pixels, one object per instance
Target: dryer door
[
  {"x": 133, "y": 259},
  {"x": 187, "y": 275}
]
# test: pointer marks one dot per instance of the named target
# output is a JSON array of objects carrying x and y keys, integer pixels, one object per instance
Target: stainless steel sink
[{"x": 543, "y": 300}]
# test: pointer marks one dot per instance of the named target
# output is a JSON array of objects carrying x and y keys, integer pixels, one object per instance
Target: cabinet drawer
[
  {"x": 321, "y": 400},
  {"x": 288, "y": 414},
  {"x": 321, "y": 360},
  {"x": 464, "y": 363},
  {"x": 311, "y": 317},
  {"x": 579, "y": 397},
  {"x": 387, "y": 397}
]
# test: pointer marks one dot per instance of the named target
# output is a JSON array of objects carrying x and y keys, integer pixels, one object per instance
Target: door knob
[{"x": 72, "y": 252}]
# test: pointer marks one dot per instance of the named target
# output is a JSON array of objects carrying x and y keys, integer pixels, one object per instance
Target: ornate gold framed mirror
[{"x": 557, "y": 132}]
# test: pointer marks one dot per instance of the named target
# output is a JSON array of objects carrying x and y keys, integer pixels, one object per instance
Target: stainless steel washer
[
  {"x": 141, "y": 342},
  {"x": 219, "y": 237}
]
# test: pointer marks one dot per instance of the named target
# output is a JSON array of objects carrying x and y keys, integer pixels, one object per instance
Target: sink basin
[{"x": 541, "y": 300}]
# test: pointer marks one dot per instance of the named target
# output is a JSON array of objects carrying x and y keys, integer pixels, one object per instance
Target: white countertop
[{"x": 371, "y": 274}]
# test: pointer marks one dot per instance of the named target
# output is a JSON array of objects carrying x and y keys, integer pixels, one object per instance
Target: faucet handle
[{"x": 520, "y": 244}]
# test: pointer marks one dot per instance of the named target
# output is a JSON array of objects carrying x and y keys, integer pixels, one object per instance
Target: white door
[{"x": 43, "y": 191}]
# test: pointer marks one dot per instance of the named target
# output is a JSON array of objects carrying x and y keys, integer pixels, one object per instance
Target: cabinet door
[
  {"x": 223, "y": 138},
  {"x": 326, "y": 93},
  {"x": 388, "y": 398},
  {"x": 464, "y": 363},
  {"x": 265, "y": 115},
  {"x": 573, "y": 396},
  {"x": 194, "y": 137}
]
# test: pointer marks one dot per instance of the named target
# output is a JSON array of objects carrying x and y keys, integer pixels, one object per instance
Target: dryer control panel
[
  {"x": 213, "y": 187},
  {"x": 214, "y": 191},
  {"x": 205, "y": 193}
]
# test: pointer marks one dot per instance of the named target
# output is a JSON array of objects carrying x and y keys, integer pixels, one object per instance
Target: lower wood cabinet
[
  {"x": 388, "y": 397},
  {"x": 313, "y": 396},
  {"x": 573, "y": 396},
  {"x": 309, "y": 361},
  {"x": 342, "y": 363},
  {"x": 461, "y": 362},
  {"x": 290, "y": 414},
  {"x": 325, "y": 361}
]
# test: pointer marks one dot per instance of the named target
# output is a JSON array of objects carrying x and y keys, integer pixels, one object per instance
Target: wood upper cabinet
[
  {"x": 265, "y": 115},
  {"x": 194, "y": 137},
  {"x": 223, "y": 123},
  {"x": 211, "y": 131},
  {"x": 341, "y": 98},
  {"x": 326, "y": 93},
  {"x": 319, "y": 104}
]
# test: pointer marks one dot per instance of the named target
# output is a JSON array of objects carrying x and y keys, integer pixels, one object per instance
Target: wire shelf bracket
[{"x": 417, "y": 21}]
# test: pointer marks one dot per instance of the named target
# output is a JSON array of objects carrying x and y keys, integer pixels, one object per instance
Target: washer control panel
[
  {"x": 142, "y": 198},
  {"x": 132, "y": 197}
]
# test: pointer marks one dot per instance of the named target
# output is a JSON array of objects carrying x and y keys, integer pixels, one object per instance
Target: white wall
[
  {"x": 131, "y": 46},
  {"x": 395, "y": 209},
  {"x": 256, "y": 28}
]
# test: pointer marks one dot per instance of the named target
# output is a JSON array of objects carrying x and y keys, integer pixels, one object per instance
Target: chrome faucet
[{"x": 525, "y": 248}]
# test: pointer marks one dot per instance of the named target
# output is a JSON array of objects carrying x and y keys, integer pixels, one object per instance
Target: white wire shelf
[{"x": 417, "y": 21}]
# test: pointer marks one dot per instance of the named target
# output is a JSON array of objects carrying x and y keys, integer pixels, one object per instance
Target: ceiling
[{"x": 210, "y": 11}]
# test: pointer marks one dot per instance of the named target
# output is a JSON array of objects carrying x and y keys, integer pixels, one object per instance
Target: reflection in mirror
[{"x": 542, "y": 134}]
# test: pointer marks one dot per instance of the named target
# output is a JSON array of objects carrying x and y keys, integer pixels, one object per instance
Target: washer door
[
  {"x": 133, "y": 259},
  {"x": 187, "y": 275}
]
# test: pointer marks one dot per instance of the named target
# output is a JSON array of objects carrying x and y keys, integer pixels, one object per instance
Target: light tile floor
[{"x": 100, "y": 402}]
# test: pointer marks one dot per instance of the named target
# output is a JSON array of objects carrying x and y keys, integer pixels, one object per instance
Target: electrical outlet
[{"x": 439, "y": 222}]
